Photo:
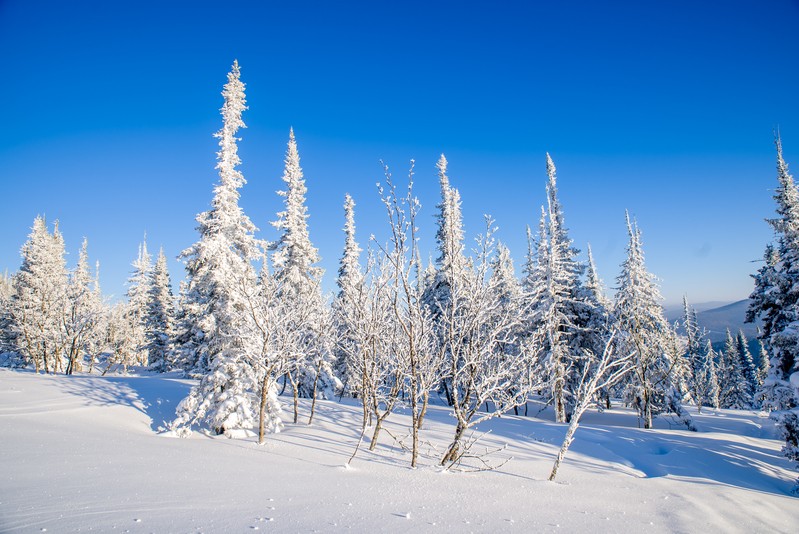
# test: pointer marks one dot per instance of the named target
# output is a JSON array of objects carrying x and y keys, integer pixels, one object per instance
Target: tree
[
  {"x": 39, "y": 298},
  {"x": 349, "y": 282},
  {"x": 701, "y": 377},
  {"x": 218, "y": 266},
  {"x": 748, "y": 368},
  {"x": 600, "y": 372},
  {"x": 415, "y": 346},
  {"x": 83, "y": 326},
  {"x": 775, "y": 299},
  {"x": 556, "y": 299},
  {"x": 8, "y": 342},
  {"x": 139, "y": 294},
  {"x": 733, "y": 384},
  {"x": 451, "y": 263},
  {"x": 159, "y": 321},
  {"x": 478, "y": 327},
  {"x": 299, "y": 281},
  {"x": 644, "y": 332}
]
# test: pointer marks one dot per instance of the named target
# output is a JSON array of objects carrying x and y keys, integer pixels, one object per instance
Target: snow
[{"x": 86, "y": 453}]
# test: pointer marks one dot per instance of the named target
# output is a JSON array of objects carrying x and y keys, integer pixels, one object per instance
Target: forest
[{"x": 253, "y": 328}]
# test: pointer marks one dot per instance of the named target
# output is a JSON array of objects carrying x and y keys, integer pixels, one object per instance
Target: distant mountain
[{"x": 716, "y": 319}]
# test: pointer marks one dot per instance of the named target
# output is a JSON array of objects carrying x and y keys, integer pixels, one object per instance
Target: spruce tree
[
  {"x": 160, "y": 316},
  {"x": 644, "y": 332},
  {"x": 349, "y": 282},
  {"x": 299, "y": 281},
  {"x": 734, "y": 387},
  {"x": 220, "y": 276},
  {"x": 775, "y": 299},
  {"x": 138, "y": 294},
  {"x": 557, "y": 300},
  {"x": 39, "y": 299}
]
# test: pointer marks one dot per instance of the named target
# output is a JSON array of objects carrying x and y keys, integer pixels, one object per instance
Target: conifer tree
[
  {"x": 557, "y": 300},
  {"x": 160, "y": 316},
  {"x": 644, "y": 332},
  {"x": 299, "y": 280},
  {"x": 775, "y": 299},
  {"x": 220, "y": 275},
  {"x": 39, "y": 299},
  {"x": 139, "y": 294},
  {"x": 734, "y": 386},
  {"x": 709, "y": 379},
  {"x": 7, "y": 337},
  {"x": 83, "y": 328},
  {"x": 349, "y": 281},
  {"x": 748, "y": 369}
]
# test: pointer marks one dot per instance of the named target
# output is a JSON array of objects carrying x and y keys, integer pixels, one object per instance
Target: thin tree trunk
[
  {"x": 378, "y": 427},
  {"x": 567, "y": 441},
  {"x": 453, "y": 451},
  {"x": 262, "y": 411},
  {"x": 313, "y": 401}
]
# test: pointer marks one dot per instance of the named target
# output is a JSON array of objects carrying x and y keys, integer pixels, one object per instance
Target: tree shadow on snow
[{"x": 156, "y": 396}]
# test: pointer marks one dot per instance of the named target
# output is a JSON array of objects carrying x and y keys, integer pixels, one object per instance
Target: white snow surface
[{"x": 83, "y": 453}]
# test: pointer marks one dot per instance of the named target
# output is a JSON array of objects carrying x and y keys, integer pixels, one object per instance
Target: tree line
[{"x": 251, "y": 321}]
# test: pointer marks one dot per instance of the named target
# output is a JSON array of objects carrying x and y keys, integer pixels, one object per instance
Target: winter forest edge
[{"x": 253, "y": 327}]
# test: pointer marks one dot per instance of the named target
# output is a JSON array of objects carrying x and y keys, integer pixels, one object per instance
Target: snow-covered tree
[
  {"x": 451, "y": 263},
  {"x": 735, "y": 391},
  {"x": 775, "y": 299},
  {"x": 349, "y": 282},
  {"x": 139, "y": 293},
  {"x": 556, "y": 299},
  {"x": 478, "y": 326},
  {"x": 39, "y": 300},
  {"x": 415, "y": 346},
  {"x": 701, "y": 378},
  {"x": 299, "y": 281},
  {"x": 159, "y": 321},
  {"x": 600, "y": 372},
  {"x": 220, "y": 272},
  {"x": 84, "y": 330},
  {"x": 748, "y": 368},
  {"x": 643, "y": 331},
  {"x": 8, "y": 343},
  {"x": 709, "y": 379}
]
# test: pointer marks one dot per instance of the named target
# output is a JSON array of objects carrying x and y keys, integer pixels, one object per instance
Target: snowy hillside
[{"x": 84, "y": 453}]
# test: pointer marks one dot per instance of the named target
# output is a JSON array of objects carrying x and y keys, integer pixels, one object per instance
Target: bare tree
[
  {"x": 477, "y": 330},
  {"x": 598, "y": 373}
]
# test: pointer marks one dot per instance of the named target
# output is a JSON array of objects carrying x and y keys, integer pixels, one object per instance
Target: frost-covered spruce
[
  {"x": 84, "y": 330},
  {"x": 775, "y": 299},
  {"x": 299, "y": 281},
  {"x": 734, "y": 387},
  {"x": 557, "y": 300},
  {"x": 39, "y": 298},
  {"x": 160, "y": 316},
  {"x": 644, "y": 331},
  {"x": 451, "y": 263},
  {"x": 346, "y": 304},
  {"x": 8, "y": 345},
  {"x": 220, "y": 274},
  {"x": 138, "y": 295}
]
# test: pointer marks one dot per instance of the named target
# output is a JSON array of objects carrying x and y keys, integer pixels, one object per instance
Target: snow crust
[{"x": 85, "y": 453}]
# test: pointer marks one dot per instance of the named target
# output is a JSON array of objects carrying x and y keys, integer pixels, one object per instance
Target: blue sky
[{"x": 663, "y": 108}]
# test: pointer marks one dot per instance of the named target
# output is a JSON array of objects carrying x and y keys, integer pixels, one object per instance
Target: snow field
[{"x": 84, "y": 453}]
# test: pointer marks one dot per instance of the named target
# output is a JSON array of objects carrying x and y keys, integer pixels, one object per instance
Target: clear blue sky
[{"x": 663, "y": 108}]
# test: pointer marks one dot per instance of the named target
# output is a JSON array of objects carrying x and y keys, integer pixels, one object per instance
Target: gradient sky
[{"x": 663, "y": 108}]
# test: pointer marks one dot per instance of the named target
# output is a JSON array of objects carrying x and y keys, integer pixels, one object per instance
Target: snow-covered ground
[{"x": 84, "y": 453}]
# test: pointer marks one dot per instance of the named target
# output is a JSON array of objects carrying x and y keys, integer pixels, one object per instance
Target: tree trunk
[
  {"x": 378, "y": 427},
  {"x": 453, "y": 451},
  {"x": 567, "y": 441},
  {"x": 313, "y": 401},
  {"x": 262, "y": 411}
]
